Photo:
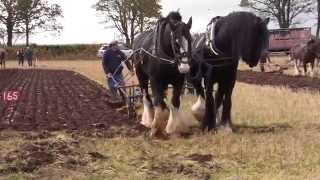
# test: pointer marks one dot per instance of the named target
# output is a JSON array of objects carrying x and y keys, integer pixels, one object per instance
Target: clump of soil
[
  {"x": 31, "y": 156},
  {"x": 201, "y": 158}
]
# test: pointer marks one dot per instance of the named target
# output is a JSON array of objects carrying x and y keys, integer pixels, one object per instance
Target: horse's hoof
[
  {"x": 225, "y": 129},
  {"x": 156, "y": 133},
  {"x": 153, "y": 132},
  {"x": 175, "y": 136}
]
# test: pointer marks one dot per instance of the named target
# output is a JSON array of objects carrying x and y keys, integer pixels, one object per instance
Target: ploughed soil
[
  {"x": 278, "y": 79},
  {"x": 56, "y": 100}
]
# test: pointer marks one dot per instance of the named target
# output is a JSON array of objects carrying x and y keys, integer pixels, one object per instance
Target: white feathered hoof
[
  {"x": 199, "y": 108},
  {"x": 225, "y": 128},
  {"x": 160, "y": 121},
  {"x": 148, "y": 113},
  {"x": 311, "y": 74},
  {"x": 296, "y": 71},
  {"x": 178, "y": 123}
]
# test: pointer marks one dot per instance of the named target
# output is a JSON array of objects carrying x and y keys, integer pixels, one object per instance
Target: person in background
[
  {"x": 20, "y": 57},
  {"x": 29, "y": 56},
  {"x": 112, "y": 65},
  {"x": 3, "y": 53}
]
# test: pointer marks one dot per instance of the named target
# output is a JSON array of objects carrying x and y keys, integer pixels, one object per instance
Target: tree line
[
  {"x": 23, "y": 17},
  {"x": 129, "y": 17},
  {"x": 284, "y": 12}
]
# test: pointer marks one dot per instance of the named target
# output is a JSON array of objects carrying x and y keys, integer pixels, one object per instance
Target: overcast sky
[{"x": 82, "y": 25}]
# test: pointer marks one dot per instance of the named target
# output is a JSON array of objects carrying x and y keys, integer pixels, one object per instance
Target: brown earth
[
  {"x": 278, "y": 79},
  {"x": 60, "y": 100}
]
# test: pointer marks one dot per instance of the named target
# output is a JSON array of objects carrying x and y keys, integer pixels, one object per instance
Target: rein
[{"x": 224, "y": 60}]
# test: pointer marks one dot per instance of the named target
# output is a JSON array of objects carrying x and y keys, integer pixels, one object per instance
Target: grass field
[{"x": 277, "y": 138}]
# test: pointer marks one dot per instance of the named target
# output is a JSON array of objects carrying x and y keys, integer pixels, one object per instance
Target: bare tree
[
  {"x": 283, "y": 11},
  {"x": 244, "y": 3},
  {"x": 38, "y": 14},
  {"x": 9, "y": 17},
  {"x": 2, "y": 36},
  {"x": 129, "y": 16}
]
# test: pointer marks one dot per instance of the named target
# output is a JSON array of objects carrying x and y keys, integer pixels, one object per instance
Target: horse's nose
[{"x": 184, "y": 68}]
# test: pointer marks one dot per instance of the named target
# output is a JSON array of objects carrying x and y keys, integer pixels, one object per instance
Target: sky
[{"x": 82, "y": 25}]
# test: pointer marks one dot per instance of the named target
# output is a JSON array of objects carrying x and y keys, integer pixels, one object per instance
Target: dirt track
[
  {"x": 278, "y": 79},
  {"x": 59, "y": 100}
]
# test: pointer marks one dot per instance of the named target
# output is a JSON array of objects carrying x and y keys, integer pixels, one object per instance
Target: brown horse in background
[
  {"x": 3, "y": 54},
  {"x": 304, "y": 55}
]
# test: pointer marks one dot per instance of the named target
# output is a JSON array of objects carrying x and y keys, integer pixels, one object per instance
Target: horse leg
[
  {"x": 305, "y": 69},
  {"x": 209, "y": 120},
  {"x": 177, "y": 123},
  {"x": 312, "y": 68},
  {"x": 219, "y": 97},
  {"x": 161, "y": 114},
  {"x": 148, "y": 110},
  {"x": 296, "y": 65},
  {"x": 262, "y": 67},
  {"x": 198, "y": 109},
  {"x": 226, "y": 122}
]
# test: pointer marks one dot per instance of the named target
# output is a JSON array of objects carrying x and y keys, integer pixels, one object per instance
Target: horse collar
[{"x": 210, "y": 36}]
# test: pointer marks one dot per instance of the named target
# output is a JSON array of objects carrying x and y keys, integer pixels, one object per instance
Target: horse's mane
[
  {"x": 233, "y": 25},
  {"x": 174, "y": 15}
]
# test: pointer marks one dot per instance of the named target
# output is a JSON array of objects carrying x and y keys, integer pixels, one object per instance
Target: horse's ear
[{"x": 189, "y": 24}]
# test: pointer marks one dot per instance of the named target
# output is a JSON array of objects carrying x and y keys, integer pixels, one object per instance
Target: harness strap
[{"x": 210, "y": 36}]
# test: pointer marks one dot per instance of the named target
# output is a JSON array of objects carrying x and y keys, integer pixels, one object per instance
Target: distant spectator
[
  {"x": 2, "y": 57},
  {"x": 20, "y": 57},
  {"x": 111, "y": 62},
  {"x": 29, "y": 56}
]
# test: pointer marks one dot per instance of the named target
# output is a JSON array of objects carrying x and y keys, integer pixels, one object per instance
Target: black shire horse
[
  {"x": 164, "y": 58},
  {"x": 216, "y": 55}
]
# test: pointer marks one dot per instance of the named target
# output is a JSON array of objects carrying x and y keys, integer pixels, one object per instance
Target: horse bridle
[{"x": 178, "y": 56}]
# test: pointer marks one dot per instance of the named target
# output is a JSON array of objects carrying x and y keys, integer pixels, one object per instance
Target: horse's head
[
  {"x": 257, "y": 41},
  {"x": 180, "y": 41}
]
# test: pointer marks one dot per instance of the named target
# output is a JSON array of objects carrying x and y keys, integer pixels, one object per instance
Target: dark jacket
[
  {"x": 28, "y": 54},
  {"x": 2, "y": 55},
  {"x": 112, "y": 60},
  {"x": 20, "y": 55}
]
